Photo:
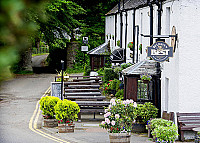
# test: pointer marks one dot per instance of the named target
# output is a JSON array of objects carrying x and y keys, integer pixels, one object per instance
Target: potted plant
[
  {"x": 166, "y": 134},
  {"x": 47, "y": 106},
  {"x": 145, "y": 77},
  {"x": 66, "y": 112},
  {"x": 119, "y": 117},
  {"x": 130, "y": 45},
  {"x": 140, "y": 48},
  {"x": 143, "y": 113},
  {"x": 113, "y": 37}
]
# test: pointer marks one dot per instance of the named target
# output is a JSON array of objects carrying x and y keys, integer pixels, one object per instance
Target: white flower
[
  {"x": 131, "y": 100},
  {"x": 107, "y": 114},
  {"x": 112, "y": 100},
  {"x": 107, "y": 120},
  {"x": 106, "y": 110},
  {"x": 109, "y": 107},
  {"x": 127, "y": 101},
  {"x": 114, "y": 103},
  {"x": 113, "y": 122},
  {"x": 117, "y": 116},
  {"x": 135, "y": 104}
]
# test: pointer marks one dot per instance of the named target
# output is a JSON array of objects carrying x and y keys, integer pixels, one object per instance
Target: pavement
[{"x": 88, "y": 131}]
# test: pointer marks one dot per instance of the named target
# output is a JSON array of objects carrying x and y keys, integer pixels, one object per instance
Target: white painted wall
[{"x": 180, "y": 77}]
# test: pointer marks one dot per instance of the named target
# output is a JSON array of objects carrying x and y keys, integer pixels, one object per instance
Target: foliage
[
  {"x": 145, "y": 76},
  {"x": 117, "y": 70},
  {"x": 120, "y": 94},
  {"x": 14, "y": 32},
  {"x": 64, "y": 74},
  {"x": 66, "y": 110},
  {"x": 125, "y": 65},
  {"x": 145, "y": 111},
  {"x": 109, "y": 74},
  {"x": 140, "y": 48},
  {"x": 118, "y": 43},
  {"x": 47, "y": 104},
  {"x": 75, "y": 69},
  {"x": 130, "y": 45},
  {"x": 165, "y": 134},
  {"x": 100, "y": 72},
  {"x": 119, "y": 116},
  {"x": 159, "y": 122},
  {"x": 87, "y": 70},
  {"x": 114, "y": 84}
]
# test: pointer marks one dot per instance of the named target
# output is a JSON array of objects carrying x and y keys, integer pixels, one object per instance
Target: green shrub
[
  {"x": 66, "y": 110},
  {"x": 109, "y": 74},
  {"x": 145, "y": 111},
  {"x": 114, "y": 84},
  {"x": 165, "y": 134},
  {"x": 120, "y": 94},
  {"x": 87, "y": 70},
  {"x": 117, "y": 70},
  {"x": 155, "y": 123},
  {"x": 47, "y": 106},
  {"x": 100, "y": 72},
  {"x": 125, "y": 65}
]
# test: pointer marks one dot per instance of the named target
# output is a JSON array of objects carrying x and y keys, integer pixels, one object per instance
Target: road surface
[{"x": 18, "y": 98}]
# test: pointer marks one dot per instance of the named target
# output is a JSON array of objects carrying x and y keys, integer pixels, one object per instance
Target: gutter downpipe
[
  {"x": 159, "y": 4},
  {"x": 125, "y": 38},
  {"x": 133, "y": 36}
]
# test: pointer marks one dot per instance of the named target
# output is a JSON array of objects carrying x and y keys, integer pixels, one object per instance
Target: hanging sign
[
  {"x": 160, "y": 51},
  {"x": 84, "y": 48}
]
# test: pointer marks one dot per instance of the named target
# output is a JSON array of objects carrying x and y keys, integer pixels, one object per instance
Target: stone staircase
[{"x": 86, "y": 93}]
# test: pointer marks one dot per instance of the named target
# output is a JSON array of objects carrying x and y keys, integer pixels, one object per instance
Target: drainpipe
[
  {"x": 115, "y": 28},
  {"x": 125, "y": 38},
  {"x": 133, "y": 36},
  {"x": 159, "y": 4},
  {"x": 151, "y": 22}
]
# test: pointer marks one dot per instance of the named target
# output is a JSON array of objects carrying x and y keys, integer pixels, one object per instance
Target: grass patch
[
  {"x": 24, "y": 72},
  {"x": 74, "y": 70},
  {"x": 33, "y": 55}
]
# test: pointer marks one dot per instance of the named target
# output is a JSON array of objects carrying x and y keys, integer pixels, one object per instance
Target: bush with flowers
[
  {"x": 66, "y": 111},
  {"x": 119, "y": 116}
]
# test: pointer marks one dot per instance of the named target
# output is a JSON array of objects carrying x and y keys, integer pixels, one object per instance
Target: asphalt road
[
  {"x": 18, "y": 98},
  {"x": 38, "y": 61}
]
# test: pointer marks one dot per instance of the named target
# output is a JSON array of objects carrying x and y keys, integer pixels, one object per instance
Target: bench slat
[
  {"x": 86, "y": 97},
  {"x": 188, "y": 118},
  {"x": 189, "y": 127},
  {"x": 82, "y": 86},
  {"x": 83, "y": 94},
  {"x": 188, "y": 114},
  {"x": 92, "y": 110},
  {"x": 92, "y": 103}
]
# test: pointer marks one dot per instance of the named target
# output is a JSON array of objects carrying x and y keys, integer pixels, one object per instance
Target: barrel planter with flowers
[
  {"x": 119, "y": 118},
  {"x": 66, "y": 112},
  {"x": 47, "y": 104}
]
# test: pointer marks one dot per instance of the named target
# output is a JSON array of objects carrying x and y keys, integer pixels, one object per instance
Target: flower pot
[
  {"x": 139, "y": 128},
  {"x": 50, "y": 123},
  {"x": 66, "y": 128},
  {"x": 119, "y": 137}
]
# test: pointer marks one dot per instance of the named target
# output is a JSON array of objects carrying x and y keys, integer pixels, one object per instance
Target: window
[{"x": 145, "y": 91}]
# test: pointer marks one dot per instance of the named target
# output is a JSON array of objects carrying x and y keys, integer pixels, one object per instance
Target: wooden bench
[
  {"x": 87, "y": 79},
  {"x": 91, "y": 107},
  {"x": 186, "y": 122},
  {"x": 166, "y": 116}
]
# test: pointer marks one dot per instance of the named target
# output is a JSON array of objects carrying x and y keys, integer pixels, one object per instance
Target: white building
[{"x": 180, "y": 75}]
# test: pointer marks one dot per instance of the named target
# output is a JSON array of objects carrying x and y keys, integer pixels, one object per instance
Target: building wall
[{"x": 180, "y": 76}]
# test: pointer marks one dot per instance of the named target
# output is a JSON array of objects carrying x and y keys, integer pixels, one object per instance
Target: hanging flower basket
[
  {"x": 130, "y": 45},
  {"x": 118, "y": 43},
  {"x": 145, "y": 77}
]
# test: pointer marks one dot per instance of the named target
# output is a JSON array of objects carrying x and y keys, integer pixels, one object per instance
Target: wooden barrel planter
[
  {"x": 50, "y": 123},
  {"x": 66, "y": 128},
  {"x": 120, "y": 137}
]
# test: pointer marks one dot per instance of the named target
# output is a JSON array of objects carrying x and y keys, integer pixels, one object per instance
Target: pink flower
[
  {"x": 103, "y": 122},
  {"x": 112, "y": 100},
  {"x": 131, "y": 100},
  {"x": 113, "y": 123},
  {"x": 107, "y": 114},
  {"x": 59, "y": 122},
  {"x": 107, "y": 120},
  {"x": 106, "y": 110}
]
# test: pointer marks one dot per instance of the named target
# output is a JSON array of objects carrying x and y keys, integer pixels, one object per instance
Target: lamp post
[{"x": 62, "y": 63}]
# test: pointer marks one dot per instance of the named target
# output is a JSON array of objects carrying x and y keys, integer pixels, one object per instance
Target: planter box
[
  {"x": 120, "y": 137},
  {"x": 66, "y": 128},
  {"x": 50, "y": 123}
]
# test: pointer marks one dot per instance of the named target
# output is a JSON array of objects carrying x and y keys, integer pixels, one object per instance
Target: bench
[
  {"x": 166, "y": 116},
  {"x": 186, "y": 122},
  {"x": 91, "y": 107}
]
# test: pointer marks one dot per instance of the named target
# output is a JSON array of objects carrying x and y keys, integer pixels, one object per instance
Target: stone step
[
  {"x": 82, "y": 83},
  {"x": 83, "y": 94},
  {"x": 86, "y": 97},
  {"x": 82, "y": 90},
  {"x": 87, "y": 79},
  {"x": 81, "y": 86}
]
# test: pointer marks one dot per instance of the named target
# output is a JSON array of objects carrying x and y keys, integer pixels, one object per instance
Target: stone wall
[{"x": 71, "y": 53}]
